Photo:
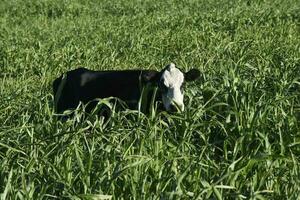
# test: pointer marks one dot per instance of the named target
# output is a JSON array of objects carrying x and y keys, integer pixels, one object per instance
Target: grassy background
[{"x": 239, "y": 137}]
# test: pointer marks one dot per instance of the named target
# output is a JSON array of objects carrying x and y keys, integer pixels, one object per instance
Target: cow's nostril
[{"x": 175, "y": 108}]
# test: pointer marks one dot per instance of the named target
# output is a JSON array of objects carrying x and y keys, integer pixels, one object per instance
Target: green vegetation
[{"x": 239, "y": 137}]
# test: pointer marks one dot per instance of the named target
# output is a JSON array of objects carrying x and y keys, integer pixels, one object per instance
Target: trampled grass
[{"x": 239, "y": 137}]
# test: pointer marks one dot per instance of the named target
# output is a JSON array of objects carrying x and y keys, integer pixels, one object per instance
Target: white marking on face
[{"x": 171, "y": 83}]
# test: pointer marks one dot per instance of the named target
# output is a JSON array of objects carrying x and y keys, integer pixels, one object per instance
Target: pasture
[{"x": 239, "y": 137}]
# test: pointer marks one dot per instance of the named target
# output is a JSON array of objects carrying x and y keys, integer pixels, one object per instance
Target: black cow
[{"x": 83, "y": 85}]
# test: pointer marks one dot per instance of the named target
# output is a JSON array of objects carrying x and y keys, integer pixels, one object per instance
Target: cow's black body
[{"x": 83, "y": 85}]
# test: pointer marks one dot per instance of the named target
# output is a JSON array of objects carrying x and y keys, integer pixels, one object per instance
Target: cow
[{"x": 84, "y": 85}]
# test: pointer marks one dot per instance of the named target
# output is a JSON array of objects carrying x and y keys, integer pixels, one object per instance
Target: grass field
[{"x": 239, "y": 137}]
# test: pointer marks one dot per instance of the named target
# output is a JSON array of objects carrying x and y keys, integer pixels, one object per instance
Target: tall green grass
[{"x": 239, "y": 137}]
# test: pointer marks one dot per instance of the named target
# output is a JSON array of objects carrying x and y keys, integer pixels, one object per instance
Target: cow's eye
[{"x": 162, "y": 86}]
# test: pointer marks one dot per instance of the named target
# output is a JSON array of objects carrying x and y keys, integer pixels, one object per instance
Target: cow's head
[{"x": 170, "y": 82}]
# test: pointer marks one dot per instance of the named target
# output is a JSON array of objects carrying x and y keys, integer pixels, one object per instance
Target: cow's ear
[
  {"x": 192, "y": 75},
  {"x": 150, "y": 76}
]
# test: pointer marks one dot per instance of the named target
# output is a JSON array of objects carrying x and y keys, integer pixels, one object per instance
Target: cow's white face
[{"x": 170, "y": 84}]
